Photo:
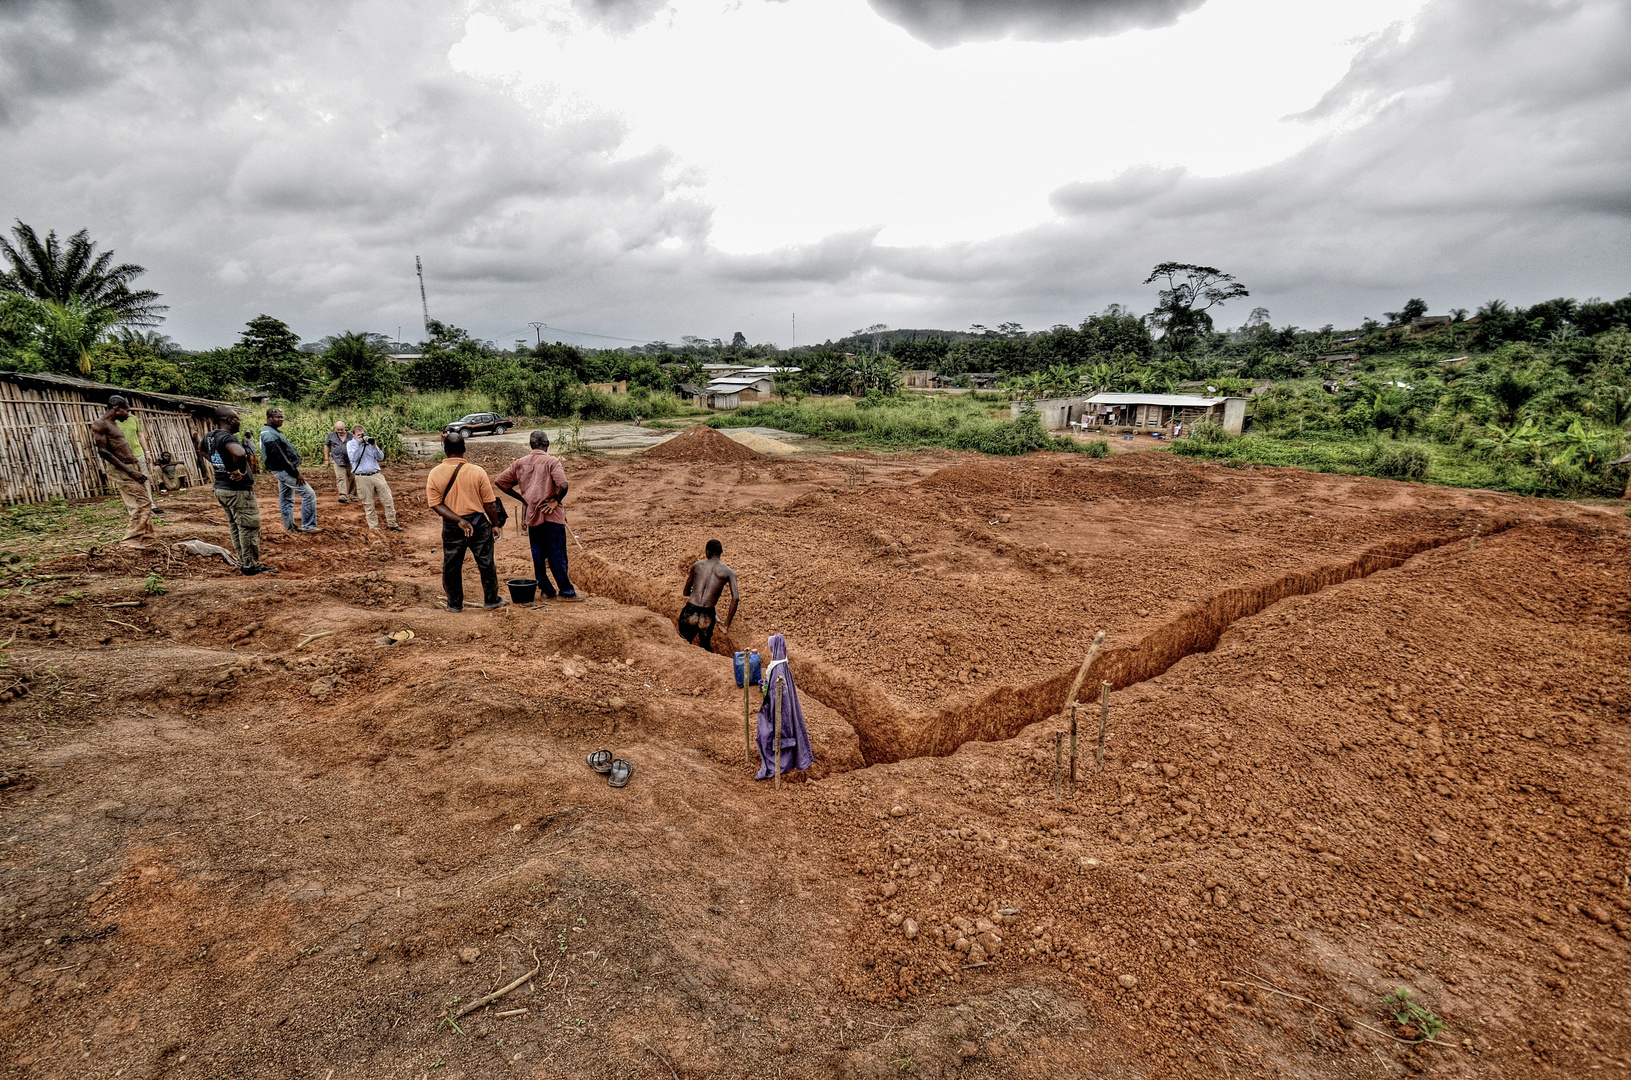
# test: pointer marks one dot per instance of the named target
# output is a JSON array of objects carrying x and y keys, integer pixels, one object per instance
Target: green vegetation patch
[{"x": 904, "y": 423}]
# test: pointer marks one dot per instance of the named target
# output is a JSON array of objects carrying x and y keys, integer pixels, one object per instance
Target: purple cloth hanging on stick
[{"x": 795, "y": 748}]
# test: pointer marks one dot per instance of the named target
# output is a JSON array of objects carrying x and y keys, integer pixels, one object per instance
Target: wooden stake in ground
[
  {"x": 747, "y": 738},
  {"x": 1104, "y": 722},
  {"x": 1070, "y": 700},
  {"x": 776, "y": 745},
  {"x": 1087, "y": 662},
  {"x": 1073, "y": 749},
  {"x": 1058, "y": 766}
]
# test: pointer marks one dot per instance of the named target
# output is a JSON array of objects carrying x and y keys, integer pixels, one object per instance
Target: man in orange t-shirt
[{"x": 462, "y": 495}]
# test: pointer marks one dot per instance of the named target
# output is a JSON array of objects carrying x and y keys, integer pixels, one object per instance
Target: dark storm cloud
[
  {"x": 942, "y": 23},
  {"x": 52, "y": 47},
  {"x": 295, "y": 160},
  {"x": 619, "y": 16}
]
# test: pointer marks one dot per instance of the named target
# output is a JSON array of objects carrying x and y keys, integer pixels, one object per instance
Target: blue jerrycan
[{"x": 747, "y": 664}]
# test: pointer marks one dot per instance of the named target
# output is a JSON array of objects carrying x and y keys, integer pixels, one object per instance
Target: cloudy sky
[{"x": 646, "y": 169}]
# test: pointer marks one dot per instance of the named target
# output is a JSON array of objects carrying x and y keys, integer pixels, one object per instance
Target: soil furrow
[{"x": 889, "y": 732}]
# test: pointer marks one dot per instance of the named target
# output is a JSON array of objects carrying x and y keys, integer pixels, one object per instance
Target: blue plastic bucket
[{"x": 747, "y": 663}]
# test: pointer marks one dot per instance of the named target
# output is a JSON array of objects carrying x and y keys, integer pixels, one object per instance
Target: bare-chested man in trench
[{"x": 702, "y": 589}]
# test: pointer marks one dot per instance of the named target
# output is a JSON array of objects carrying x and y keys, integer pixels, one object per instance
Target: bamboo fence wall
[{"x": 45, "y": 441}]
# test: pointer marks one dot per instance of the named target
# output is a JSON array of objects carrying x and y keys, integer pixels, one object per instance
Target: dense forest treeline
[{"x": 1539, "y": 395}]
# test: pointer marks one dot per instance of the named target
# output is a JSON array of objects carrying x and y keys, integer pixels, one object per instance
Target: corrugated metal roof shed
[{"x": 1183, "y": 401}]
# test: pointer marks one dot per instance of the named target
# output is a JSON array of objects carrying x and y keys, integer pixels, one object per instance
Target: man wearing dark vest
[{"x": 235, "y": 489}]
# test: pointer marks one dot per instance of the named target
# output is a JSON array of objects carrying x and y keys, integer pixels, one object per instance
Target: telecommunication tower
[{"x": 419, "y": 267}]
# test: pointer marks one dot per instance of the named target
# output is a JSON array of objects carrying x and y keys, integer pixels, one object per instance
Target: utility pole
[
  {"x": 538, "y": 329},
  {"x": 795, "y": 331},
  {"x": 419, "y": 267}
]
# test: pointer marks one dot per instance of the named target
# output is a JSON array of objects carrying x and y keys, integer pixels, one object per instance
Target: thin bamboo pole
[
  {"x": 776, "y": 746},
  {"x": 1104, "y": 723}
]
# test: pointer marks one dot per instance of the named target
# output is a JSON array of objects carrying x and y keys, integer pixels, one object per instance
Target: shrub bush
[
  {"x": 1096, "y": 448},
  {"x": 1403, "y": 462}
]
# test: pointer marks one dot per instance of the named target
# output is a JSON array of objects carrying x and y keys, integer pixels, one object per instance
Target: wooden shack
[{"x": 45, "y": 435}]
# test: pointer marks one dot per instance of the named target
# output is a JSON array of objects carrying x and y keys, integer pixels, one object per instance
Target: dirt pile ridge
[
  {"x": 1347, "y": 758},
  {"x": 701, "y": 445}
]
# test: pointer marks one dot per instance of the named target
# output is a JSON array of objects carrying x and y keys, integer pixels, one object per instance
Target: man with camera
[{"x": 366, "y": 460}]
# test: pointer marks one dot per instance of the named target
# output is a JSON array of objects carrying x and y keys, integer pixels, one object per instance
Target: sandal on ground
[
  {"x": 621, "y": 771},
  {"x": 601, "y": 761}
]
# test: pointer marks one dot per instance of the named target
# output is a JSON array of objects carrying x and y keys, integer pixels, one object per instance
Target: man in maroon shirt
[{"x": 538, "y": 482}]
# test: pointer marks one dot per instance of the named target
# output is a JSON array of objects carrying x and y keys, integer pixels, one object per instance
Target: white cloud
[
  {"x": 811, "y": 118},
  {"x": 660, "y": 170}
]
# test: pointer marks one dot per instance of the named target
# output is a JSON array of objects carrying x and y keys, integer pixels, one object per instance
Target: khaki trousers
[
  {"x": 371, "y": 487},
  {"x": 141, "y": 467},
  {"x": 343, "y": 480},
  {"x": 134, "y": 495},
  {"x": 244, "y": 521}
]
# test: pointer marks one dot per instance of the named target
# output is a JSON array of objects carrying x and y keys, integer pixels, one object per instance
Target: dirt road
[{"x": 1351, "y": 750}]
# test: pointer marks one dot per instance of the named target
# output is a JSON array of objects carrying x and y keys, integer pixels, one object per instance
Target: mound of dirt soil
[
  {"x": 701, "y": 445},
  {"x": 761, "y": 443}
]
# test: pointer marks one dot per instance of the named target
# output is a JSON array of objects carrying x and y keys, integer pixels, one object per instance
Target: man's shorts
[{"x": 697, "y": 624}]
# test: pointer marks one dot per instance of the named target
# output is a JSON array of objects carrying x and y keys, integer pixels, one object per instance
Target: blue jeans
[
  {"x": 548, "y": 541},
  {"x": 286, "y": 488}
]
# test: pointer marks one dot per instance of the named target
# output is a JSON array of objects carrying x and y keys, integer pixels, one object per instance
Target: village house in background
[
  {"x": 730, "y": 385},
  {"x": 45, "y": 438},
  {"x": 1139, "y": 412}
]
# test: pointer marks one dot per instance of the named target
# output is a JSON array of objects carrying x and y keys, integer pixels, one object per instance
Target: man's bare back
[{"x": 708, "y": 580}]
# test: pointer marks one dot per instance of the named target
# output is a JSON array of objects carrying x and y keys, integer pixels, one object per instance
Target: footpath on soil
[{"x": 1369, "y": 736}]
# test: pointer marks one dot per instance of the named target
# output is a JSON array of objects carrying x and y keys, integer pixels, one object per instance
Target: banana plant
[{"x": 1522, "y": 442}]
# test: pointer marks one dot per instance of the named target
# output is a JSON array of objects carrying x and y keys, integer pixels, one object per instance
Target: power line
[{"x": 585, "y": 333}]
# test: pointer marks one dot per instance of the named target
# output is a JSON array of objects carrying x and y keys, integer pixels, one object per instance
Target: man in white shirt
[{"x": 367, "y": 460}]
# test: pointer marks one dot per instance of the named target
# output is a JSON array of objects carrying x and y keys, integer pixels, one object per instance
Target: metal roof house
[
  {"x": 1151, "y": 411},
  {"x": 1145, "y": 412}
]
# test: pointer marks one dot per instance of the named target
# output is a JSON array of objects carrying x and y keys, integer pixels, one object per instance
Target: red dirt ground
[{"x": 1351, "y": 749}]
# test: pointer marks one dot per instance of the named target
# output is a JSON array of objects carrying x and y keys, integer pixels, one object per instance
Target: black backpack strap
[{"x": 447, "y": 487}]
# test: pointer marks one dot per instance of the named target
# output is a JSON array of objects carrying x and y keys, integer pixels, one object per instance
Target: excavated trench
[{"x": 889, "y": 732}]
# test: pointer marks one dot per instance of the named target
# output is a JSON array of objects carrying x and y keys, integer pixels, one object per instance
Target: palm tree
[
  {"x": 53, "y": 273},
  {"x": 66, "y": 333}
]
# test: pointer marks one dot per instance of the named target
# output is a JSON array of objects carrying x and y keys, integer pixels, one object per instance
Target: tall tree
[
  {"x": 1189, "y": 293},
  {"x": 56, "y": 273},
  {"x": 360, "y": 371},
  {"x": 70, "y": 295},
  {"x": 450, "y": 359},
  {"x": 1414, "y": 308},
  {"x": 271, "y": 358}
]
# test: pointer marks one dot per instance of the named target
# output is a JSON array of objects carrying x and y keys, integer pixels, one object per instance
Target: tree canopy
[
  {"x": 51, "y": 272},
  {"x": 1190, "y": 291}
]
